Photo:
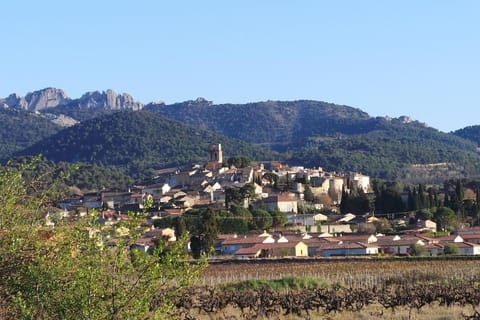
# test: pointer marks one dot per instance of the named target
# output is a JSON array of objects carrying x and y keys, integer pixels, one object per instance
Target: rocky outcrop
[
  {"x": 15, "y": 101},
  {"x": 46, "y": 98},
  {"x": 53, "y": 97},
  {"x": 62, "y": 120},
  {"x": 109, "y": 100},
  {"x": 37, "y": 100}
]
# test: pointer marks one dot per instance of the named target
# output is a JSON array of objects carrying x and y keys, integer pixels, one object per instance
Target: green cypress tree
[{"x": 209, "y": 229}]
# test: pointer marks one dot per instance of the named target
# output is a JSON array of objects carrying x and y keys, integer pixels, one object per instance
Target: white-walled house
[
  {"x": 360, "y": 181},
  {"x": 427, "y": 225},
  {"x": 156, "y": 190},
  {"x": 363, "y": 238},
  {"x": 271, "y": 250},
  {"x": 346, "y": 249},
  {"x": 282, "y": 202},
  {"x": 335, "y": 228},
  {"x": 400, "y": 246},
  {"x": 467, "y": 249}
]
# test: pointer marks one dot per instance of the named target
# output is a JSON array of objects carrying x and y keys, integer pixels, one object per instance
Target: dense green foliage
[
  {"x": 20, "y": 129},
  {"x": 239, "y": 162},
  {"x": 206, "y": 224},
  {"x": 471, "y": 133},
  {"x": 417, "y": 250},
  {"x": 334, "y": 137},
  {"x": 356, "y": 202},
  {"x": 83, "y": 176},
  {"x": 79, "y": 269},
  {"x": 94, "y": 177},
  {"x": 387, "y": 151},
  {"x": 451, "y": 248},
  {"x": 137, "y": 142},
  {"x": 276, "y": 123}
]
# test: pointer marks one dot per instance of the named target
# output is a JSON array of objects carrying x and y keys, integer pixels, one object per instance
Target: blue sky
[{"x": 416, "y": 58}]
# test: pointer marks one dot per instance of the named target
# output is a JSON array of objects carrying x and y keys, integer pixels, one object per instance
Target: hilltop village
[{"x": 264, "y": 210}]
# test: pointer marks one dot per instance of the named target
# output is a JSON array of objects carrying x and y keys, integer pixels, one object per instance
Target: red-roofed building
[
  {"x": 346, "y": 249},
  {"x": 232, "y": 245}
]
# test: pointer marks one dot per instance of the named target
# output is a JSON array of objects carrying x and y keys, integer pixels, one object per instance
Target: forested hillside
[
  {"x": 137, "y": 142},
  {"x": 335, "y": 137},
  {"x": 471, "y": 133},
  {"x": 20, "y": 129},
  {"x": 389, "y": 150},
  {"x": 274, "y": 123}
]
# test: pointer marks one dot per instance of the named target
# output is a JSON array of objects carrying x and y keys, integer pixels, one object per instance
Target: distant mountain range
[
  {"x": 53, "y": 97},
  {"x": 110, "y": 129}
]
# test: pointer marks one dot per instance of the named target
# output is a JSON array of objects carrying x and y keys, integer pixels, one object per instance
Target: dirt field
[
  {"x": 430, "y": 289},
  {"x": 351, "y": 271}
]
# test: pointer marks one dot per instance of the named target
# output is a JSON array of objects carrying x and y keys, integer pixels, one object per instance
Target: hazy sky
[{"x": 416, "y": 58}]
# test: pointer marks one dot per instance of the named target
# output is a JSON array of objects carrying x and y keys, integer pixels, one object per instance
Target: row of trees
[{"x": 448, "y": 209}]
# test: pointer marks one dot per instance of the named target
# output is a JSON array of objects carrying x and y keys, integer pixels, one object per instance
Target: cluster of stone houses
[
  {"x": 268, "y": 245},
  {"x": 178, "y": 190}
]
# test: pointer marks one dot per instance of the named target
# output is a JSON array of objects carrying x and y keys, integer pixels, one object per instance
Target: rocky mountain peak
[
  {"x": 53, "y": 97},
  {"x": 108, "y": 99},
  {"x": 37, "y": 100}
]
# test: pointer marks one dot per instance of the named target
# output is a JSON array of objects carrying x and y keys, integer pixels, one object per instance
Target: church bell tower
[{"x": 216, "y": 153}]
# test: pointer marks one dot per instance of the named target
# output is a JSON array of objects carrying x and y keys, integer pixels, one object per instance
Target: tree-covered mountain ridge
[
  {"x": 471, "y": 133},
  {"x": 302, "y": 132},
  {"x": 138, "y": 142},
  {"x": 278, "y": 124},
  {"x": 336, "y": 137},
  {"x": 283, "y": 119}
]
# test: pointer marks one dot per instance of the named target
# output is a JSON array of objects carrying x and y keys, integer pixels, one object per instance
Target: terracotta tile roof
[
  {"x": 277, "y": 245},
  {"x": 348, "y": 245},
  {"x": 316, "y": 242},
  {"x": 243, "y": 240},
  {"x": 248, "y": 251},
  {"x": 434, "y": 246},
  {"x": 465, "y": 244},
  {"x": 354, "y": 238},
  {"x": 475, "y": 238},
  {"x": 449, "y": 238},
  {"x": 401, "y": 242}
]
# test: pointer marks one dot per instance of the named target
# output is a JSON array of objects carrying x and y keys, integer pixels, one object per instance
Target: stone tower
[{"x": 216, "y": 153}]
